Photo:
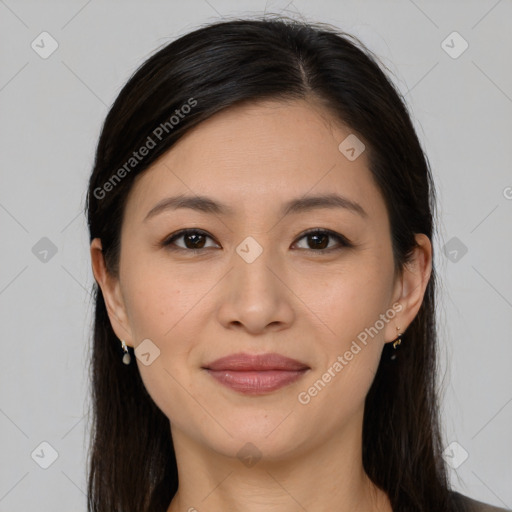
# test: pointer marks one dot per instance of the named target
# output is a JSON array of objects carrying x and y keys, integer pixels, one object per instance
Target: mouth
[{"x": 256, "y": 374}]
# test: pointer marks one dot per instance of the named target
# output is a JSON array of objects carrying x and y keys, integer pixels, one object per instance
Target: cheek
[
  {"x": 350, "y": 309},
  {"x": 162, "y": 305},
  {"x": 156, "y": 299},
  {"x": 350, "y": 302},
  {"x": 159, "y": 311}
]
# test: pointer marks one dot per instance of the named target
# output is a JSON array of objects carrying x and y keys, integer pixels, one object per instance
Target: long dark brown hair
[{"x": 132, "y": 463}]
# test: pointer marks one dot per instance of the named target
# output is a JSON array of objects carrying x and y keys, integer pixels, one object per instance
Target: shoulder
[{"x": 477, "y": 506}]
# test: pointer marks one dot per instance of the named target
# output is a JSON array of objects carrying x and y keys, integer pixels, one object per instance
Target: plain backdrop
[{"x": 51, "y": 112}]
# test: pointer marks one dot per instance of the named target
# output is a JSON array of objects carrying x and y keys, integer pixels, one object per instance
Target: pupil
[
  {"x": 195, "y": 244},
  {"x": 320, "y": 245}
]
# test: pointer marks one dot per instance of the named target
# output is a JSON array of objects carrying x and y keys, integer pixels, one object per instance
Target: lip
[
  {"x": 256, "y": 362},
  {"x": 256, "y": 374}
]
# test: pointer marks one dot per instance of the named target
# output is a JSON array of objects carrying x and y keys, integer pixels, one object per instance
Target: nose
[{"x": 256, "y": 296}]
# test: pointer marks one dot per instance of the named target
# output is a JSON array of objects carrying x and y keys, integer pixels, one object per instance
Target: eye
[
  {"x": 319, "y": 239},
  {"x": 194, "y": 240}
]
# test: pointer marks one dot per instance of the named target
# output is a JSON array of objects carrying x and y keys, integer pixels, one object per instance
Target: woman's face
[{"x": 256, "y": 283}]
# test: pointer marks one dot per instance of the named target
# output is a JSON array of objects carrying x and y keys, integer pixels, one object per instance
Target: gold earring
[
  {"x": 399, "y": 339},
  {"x": 126, "y": 357}
]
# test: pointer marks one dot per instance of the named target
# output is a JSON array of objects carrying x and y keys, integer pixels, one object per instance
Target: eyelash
[{"x": 343, "y": 241}]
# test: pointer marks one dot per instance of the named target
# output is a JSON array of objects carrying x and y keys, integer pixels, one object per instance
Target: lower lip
[{"x": 256, "y": 382}]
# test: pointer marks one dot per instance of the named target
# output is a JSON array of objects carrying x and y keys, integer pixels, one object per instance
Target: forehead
[{"x": 258, "y": 156}]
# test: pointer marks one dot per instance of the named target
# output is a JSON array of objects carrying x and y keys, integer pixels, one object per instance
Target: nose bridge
[
  {"x": 256, "y": 298},
  {"x": 251, "y": 261}
]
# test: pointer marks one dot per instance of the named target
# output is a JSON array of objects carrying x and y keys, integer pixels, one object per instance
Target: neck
[{"x": 329, "y": 476}]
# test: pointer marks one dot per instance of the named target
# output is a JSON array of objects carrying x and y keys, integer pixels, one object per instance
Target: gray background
[{"x": 51, "y": 113}]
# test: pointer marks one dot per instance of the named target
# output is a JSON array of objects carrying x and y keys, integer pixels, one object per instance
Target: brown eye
[
  {"x": 318, "y": 240},
  {"x": 193, "y": 239}
]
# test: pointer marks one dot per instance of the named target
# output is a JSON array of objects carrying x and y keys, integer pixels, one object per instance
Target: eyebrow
[{"x": 303, "y": 204}]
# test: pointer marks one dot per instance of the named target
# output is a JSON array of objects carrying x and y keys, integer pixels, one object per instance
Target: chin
[{"x": 264, "y": 435}]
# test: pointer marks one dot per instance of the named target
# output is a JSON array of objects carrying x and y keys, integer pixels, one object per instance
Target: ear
[
  {"x": 111, "y": 290},
  {"x": 411, "y": 285}
]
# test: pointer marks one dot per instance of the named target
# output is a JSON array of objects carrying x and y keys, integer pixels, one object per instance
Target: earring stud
[
  {"x": 126, "y": 357},
  {"x": 399, "y": 339}
]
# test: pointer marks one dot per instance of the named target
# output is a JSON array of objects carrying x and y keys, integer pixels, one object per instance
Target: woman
[{"x": 261, "y": 216}]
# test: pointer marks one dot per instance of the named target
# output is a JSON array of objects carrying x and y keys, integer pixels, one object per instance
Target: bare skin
[{"x": 296, "y": 299}]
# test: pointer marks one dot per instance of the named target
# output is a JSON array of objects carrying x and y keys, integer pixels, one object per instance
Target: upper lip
[{"x": 256, "y": 362}]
